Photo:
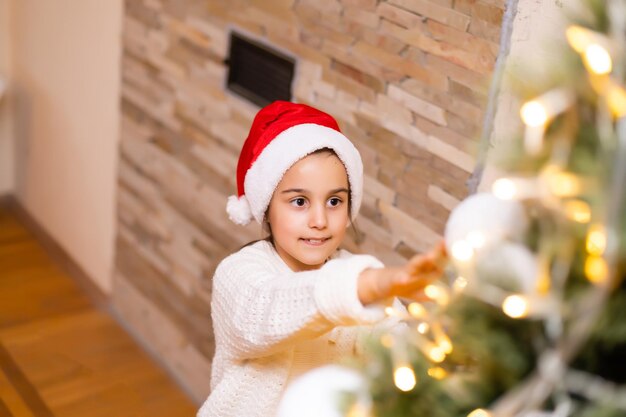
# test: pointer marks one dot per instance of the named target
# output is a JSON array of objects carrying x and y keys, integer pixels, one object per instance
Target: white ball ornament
[
  {"x": 480, "y": 221},
  {"x": 509, "y": 265},
  {"x": 318, "y": 393}
]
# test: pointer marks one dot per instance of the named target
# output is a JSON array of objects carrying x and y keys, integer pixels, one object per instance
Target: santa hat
[{"x": 282, "y": 133}]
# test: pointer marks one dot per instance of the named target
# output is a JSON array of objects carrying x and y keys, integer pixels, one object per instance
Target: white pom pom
[
  {"x": 238, "y": 210},
  {"x": 317, "y": 393}
]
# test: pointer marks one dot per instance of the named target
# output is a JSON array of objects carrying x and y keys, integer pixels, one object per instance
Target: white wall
[
  {"x": 537, "y": 23},
  {"x": 7, "y": 142},
  {"x": 66, "y": 60}
]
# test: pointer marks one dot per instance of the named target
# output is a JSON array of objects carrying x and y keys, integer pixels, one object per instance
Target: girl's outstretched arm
[
  {"x": 258, "y": 311},
  {"x": 406, "y": 281}
]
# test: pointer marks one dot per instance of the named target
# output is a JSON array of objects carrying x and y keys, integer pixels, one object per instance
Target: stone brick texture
[{"x": 406, "y": 79}]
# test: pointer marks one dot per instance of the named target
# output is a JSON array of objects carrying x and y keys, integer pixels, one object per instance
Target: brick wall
[{"x": 406, "y": 80}]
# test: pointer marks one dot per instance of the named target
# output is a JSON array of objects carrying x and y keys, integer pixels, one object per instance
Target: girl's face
[{"x": 308, "y": 213}]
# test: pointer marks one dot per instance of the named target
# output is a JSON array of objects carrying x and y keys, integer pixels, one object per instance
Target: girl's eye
[
  {"x": 334, "y": 202},
  {"x": 298, "y": 202}
]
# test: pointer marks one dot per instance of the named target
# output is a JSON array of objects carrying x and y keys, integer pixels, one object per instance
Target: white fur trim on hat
[
  {"x": 289, "y": 147},
  {"x": 238, "y": 210}
]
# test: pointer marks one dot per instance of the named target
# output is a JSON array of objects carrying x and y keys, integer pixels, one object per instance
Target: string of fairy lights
[{"x": 559, "y": 191}]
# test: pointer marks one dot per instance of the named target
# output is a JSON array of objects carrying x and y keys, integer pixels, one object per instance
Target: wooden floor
[{"x": 60, "y": 356}]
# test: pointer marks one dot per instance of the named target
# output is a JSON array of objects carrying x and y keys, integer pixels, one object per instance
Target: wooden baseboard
[{"x": 98, "y": 297}]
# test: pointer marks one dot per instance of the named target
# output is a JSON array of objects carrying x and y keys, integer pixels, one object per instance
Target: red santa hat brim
[{"x": 287, "y": 148}]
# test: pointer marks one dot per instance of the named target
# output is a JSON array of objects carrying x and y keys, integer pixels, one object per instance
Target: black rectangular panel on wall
[{"x": 257, "y": 72}]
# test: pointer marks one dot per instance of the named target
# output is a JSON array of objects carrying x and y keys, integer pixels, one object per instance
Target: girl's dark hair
[{"x": 266, "y": 226}]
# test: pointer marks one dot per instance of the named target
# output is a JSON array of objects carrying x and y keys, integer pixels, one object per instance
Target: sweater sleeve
[{"x": 257, "y": 311}]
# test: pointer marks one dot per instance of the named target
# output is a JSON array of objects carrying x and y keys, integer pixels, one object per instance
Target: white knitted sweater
[{"x": 272, "y": 324}]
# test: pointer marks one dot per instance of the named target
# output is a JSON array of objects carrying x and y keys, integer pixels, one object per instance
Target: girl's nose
[{"x": 317, "y": 216}]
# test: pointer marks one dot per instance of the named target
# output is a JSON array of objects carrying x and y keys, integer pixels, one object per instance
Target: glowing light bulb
[
  {"x": 404, "y": 378},
  {"x": 437, "y": 294},
  {"x": 479, "y": 412},
  {"x": 504, "y": 189},
  {"x": 578, "y": 211},
  {"x": 543, "y": 282},
  {"x": 577, "y": 37},
  {"x": 515, "y": 306},
  {"x": 390, "y": 311},
  {"x": 596, "y": 240},
  {"x": 446, "y": 345},
  {"x": 596, "y": 269},
  {"x": 436, "y": 354},
  {"x": 432, "y": 291},
  {"x": 537, "y": 113},
  {"x": 562, "y": 184},
  {"x": 616, "y": 99},
  {"x": 441, "y": 338},
  {"x": 437, "y": 372},
  {"x": 462, "y": 251},
  {"x": 598, "y": 59},
  {"x": 460, "y": 284},
  {"x": 476, "y": 238},
  {"x": 417, "y": 310},
  {"x": 534, "y": 113},
  {"x": 423, "y": 328}
]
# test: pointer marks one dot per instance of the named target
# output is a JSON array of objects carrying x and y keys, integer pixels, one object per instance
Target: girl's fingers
[
  {"x": 438, "y": 254},
  {"x": 425, "y": 265},
  {"x": 435, "y": 259},
  {"x": 420, "y": 263},
  {"x": 440, "y": 249},
  {"x": 419, "y": 271},
  {"x": 416, "y": 282}
]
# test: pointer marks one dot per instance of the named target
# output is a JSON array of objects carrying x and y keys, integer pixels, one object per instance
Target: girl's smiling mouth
[{"x": 315, "y": 242}]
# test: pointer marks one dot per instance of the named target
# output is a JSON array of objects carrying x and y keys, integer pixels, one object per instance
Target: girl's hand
[{"x": 406, "y": 281}]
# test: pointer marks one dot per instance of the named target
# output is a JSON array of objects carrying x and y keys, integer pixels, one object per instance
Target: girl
[{"x": 292, "y": 302}]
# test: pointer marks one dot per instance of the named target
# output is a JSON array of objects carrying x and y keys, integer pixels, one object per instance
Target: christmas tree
[{"x": 531, "y": 320}]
